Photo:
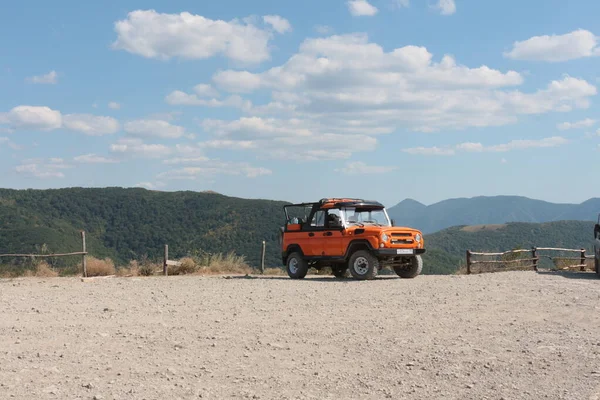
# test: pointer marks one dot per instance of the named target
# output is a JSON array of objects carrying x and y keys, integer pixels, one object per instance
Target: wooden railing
[
  {"x": 533, "y": 261},
  {"x": 81, "y": 253}
]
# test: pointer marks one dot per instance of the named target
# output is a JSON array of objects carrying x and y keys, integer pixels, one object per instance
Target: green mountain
[
  {"x": 488, "y": 210},
  {"x": 447, "y": 248},
  {"x": 127, "y": 224}
]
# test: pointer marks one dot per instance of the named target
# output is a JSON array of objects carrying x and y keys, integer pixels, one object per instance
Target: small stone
[
  {"x": 88, "y": 386},
  {"x": 469, "y": 386},
  {"x": 98, "y": 397}
]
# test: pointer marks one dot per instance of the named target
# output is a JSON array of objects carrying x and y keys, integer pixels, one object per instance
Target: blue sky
[{"x": 384, "y": 99}]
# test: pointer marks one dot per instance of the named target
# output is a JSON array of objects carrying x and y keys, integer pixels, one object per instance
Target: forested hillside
[{"x": 127, "y": 224}]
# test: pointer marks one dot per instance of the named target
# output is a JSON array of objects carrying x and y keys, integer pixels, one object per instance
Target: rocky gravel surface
[{"x": 513, "y": 335}]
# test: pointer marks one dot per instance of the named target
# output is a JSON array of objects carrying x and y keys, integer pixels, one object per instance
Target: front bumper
[{"x": 398, "y": 252}]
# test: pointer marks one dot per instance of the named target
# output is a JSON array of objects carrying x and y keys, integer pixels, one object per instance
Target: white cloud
[
  {"x": 138, "y": 148},
  {"x": 42, "y": 169},
  {"x": 556, "y": 48},
  {"x": 361, "y": 168},
  {"x": 154, "y": 128},
  {"x": 91, "y": 125},
  {"x": 212, "y": 168},
  {"x": 6, "y": 141},
  {"x": 503, "y": 161},
  {"x": 49, "y": 78},
  {"x": 291, "y": 139},
  {"x": 178, "y": 97},
  {"x": 586, "y": 123},
  {"x": 279, "y": 24},
  {"x": 113, "y": 105},
  {"x": 32, "y": 117},
  {"x": 189, "y": 36},
  {"x": 324, "y": 29},
  {"x": 523, "y": 144},
  {"x": 45, "y": 119},
  {"x": 346, "y": 85},
  {"x": 360, "y": 8},
  {"x": 446, "y": 7},
  {"x": 238, "y": 81},
  {"x": 205, "y": 90},
  {"x": 401, "y": 3},
  {"x": 520, "y": 144},
  {"x": 93, "y": 159},
  {"x": 230, "y": 144},
  {"x": 186, "y": 160},
  {"x": 429, "y": 151}
]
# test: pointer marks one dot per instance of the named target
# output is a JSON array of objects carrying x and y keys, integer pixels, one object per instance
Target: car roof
[{"x": 340, "y": 202}]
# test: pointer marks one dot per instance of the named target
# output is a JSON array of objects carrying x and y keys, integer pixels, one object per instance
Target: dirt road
[{"x": 514, "y": 335}]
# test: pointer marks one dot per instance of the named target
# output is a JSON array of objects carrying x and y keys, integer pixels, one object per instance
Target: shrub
[
  {"x": 147, "y": 269},
  {"x": 43, "y": 270},
  {"x": 187, "y": 266},
  {"x": 97, "y": 267},
  {"x": 132, "y": 270}
]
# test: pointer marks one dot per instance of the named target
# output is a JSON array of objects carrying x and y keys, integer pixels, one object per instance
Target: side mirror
[{"x": 393, "y": 222}]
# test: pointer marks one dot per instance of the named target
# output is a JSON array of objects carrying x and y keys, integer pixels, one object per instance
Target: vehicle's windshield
[{"x": 365, "y": 216}]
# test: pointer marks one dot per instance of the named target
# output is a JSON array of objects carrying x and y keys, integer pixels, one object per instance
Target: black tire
[
  {"x": 411, "y": 271},
  {"x": 597, "y": 264},
  {"x": 363, "y": 265},
  {"x": 296, "y": 266},
  {"x": 340, "y": 271}
]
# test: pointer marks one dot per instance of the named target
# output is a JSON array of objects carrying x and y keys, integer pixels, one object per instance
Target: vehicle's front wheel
[
  {"x": 363, "y": 265},
  {"x": 410, "y": 270},
  {"x": 296, "y": 266}
]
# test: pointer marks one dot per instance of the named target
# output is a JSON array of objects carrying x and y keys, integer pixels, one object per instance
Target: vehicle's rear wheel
[
  {"x": 296, "y": 266},
  {"x": 340, "y": 271},
  {"x": 411, "y": 269},
  {"x": 597, "y": 265},
  {"x": 363, "y": 265}
]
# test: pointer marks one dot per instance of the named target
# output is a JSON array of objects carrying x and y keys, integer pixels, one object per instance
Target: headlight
[
  {"x": 384, "y": 237},
  {"x": 418, "y": 237}
]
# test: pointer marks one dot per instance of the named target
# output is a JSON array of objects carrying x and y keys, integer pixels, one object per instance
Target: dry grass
[
  {"x": 97, "y": 267},
  {"x": 230, "y": 263},
  {"x": 563, "y": 264},
  {"x": 132, "y": 270},
  {"x": 187, "y": 266},
  {"x": 274, "y": 272},
  {"x": 42, "y": 270}
]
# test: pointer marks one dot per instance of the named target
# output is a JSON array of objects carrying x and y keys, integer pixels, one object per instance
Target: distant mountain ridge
[{"x": 488, "y": 210}]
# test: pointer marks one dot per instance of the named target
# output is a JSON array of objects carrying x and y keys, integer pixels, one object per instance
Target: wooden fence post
[
  {"x": 583, "y": 260},
  {"x": 83, "y": 260},
  {"x": 535, "y": 258},
  {"x": 468, "y": 262},
  {"x": 262, "y": 258},
  {"x": 166, "y": 258}
]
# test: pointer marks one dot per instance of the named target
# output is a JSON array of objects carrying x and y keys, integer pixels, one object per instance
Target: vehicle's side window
[
  {"x": 318, "y": 220},
  {"x": 334, "y": 219}
]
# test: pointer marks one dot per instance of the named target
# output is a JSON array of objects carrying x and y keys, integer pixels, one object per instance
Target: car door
[
  {"x": 332, "y": 235},
  {"x": 313, "y": 231}
]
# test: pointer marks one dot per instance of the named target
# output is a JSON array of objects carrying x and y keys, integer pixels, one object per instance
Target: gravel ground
[{"x": 513, "y": 335}]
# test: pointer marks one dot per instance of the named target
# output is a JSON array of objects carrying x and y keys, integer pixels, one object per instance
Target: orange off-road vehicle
[{"x": 351, "y": 236}]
